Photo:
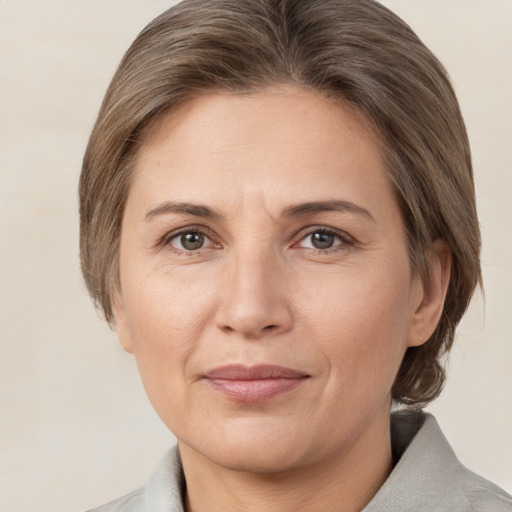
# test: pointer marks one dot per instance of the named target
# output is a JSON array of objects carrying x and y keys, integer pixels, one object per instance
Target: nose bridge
[{"x": 253, "y": 302}]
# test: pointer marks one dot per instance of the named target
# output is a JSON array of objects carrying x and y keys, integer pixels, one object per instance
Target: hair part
[{"x": 354, "y": 50}]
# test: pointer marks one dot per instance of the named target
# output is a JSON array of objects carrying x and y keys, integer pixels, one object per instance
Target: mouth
[{"x": 254, "y": 383}]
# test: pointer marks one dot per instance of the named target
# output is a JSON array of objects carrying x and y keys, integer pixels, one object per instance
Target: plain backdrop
[{"x": 76, "y": 429}]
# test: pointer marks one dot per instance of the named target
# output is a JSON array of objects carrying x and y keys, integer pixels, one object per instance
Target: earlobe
[
  {"x": 121, "y": 324},
  {"x": 429, "y": 304}
]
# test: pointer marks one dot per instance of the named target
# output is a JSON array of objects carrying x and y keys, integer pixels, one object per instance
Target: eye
[
  {"x": 190, "y": 240},
  {"x": 324, "y": 239}
]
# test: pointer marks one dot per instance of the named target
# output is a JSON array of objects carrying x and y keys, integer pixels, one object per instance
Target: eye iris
[
  {"x": 192, "y": 241},
  {"x": 322, "y": 240}
]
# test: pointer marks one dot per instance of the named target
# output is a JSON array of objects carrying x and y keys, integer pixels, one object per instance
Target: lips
[{"x": 255, "y": 383}]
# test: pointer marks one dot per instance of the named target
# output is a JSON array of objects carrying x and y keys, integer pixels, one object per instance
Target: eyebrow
[
  {"x": 303, "y": 209},
  {"x": 195, "y": 210},
  {"x": 297, "y": 210}
]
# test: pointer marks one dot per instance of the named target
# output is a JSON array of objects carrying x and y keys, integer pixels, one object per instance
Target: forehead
[{"x": 224, "y": 145}]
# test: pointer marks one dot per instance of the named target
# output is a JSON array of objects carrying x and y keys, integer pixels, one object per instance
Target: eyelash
[
  {"x": 199, "y": 230},
  {"x": 345, "y": 240}
]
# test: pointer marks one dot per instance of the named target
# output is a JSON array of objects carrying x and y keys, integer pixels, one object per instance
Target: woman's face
[{"x": 265, "y": 285}]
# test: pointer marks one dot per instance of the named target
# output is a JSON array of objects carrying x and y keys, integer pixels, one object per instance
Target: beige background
[{"x": 76, "y": 429}]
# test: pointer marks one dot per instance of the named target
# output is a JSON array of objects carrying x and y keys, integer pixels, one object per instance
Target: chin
[
  {"x": 248, "y": 458},
  {"x": 261, "y": 447}
]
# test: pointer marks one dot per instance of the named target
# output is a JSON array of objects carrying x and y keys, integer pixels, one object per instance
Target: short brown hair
[{"x": 354, "y": 50}]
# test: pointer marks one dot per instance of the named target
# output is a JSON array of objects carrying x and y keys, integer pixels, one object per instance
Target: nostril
[{"x": 270, "y": 327}]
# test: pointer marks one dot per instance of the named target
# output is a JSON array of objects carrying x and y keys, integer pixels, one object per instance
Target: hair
[{"x": 354, "y": 50}]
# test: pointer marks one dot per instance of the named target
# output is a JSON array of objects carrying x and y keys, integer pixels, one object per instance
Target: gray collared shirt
[{"x": 427, "y": 477}]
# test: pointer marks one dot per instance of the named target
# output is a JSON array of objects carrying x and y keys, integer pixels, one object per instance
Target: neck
[{"x": 344, "y": 482}]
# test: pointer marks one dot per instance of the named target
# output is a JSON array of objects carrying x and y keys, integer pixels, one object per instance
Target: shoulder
[
  {"x": 461, "y": 487},
  {"x": 428, "y": 476},
  {"x": 132, "y": 502},
  {"x": 162, "y": 493},
  {"x": 480, "y": 495}
]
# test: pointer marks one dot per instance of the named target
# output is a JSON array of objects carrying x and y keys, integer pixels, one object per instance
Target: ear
[
  {"x": 121, "y": 322},
  {"x": 430, "y": 294}
]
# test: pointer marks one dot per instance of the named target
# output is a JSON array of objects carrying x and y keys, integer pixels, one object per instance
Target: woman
[{"x": 278, "y": 217}]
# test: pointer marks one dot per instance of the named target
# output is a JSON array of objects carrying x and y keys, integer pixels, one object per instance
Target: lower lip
[{"x": 253, "y": 391}]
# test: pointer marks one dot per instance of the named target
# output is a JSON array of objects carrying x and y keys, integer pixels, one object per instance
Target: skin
[{"x": 258, "y": 291}]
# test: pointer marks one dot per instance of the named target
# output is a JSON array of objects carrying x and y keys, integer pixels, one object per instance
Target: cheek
[
  {"x": 165, "y": 318},
  {"x": 163, "y": 306},
  {"x": 361, "y": 325},
  {"x": 164, "y": 327}
]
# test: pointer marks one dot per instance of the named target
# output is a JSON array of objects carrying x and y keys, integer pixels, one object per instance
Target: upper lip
[{"x": 257, "y": 372}]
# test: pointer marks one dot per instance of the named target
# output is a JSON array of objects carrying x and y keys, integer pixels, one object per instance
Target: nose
[{"x": 254, "y": 301}]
